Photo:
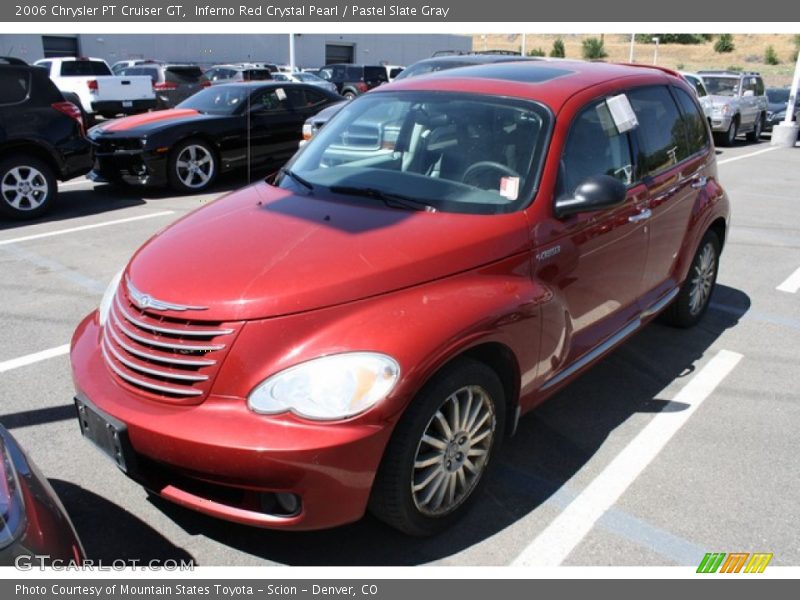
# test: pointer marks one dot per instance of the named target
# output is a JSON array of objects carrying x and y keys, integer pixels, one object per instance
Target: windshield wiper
[
  {"x": 390, "y": 199},
  {"x": 289, "y": 173}
]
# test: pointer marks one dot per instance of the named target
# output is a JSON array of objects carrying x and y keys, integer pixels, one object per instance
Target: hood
[
  {"x": 722, "y": 100},
  {"x": 150, "y": 121},
  {"x": 263, "y": 251}
]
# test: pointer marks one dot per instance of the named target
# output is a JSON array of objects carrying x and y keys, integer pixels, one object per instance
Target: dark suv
[
  {"x": 354, "y": 80},
  {"x": 172, "y": 83},
  {"x": 41, "y": 140}
]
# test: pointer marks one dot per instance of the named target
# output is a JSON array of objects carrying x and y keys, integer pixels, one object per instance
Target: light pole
[
  {"x": 633, "y": 39},
  {"x": 291, "y": 52},
  {"x": 655, "y": 53}
]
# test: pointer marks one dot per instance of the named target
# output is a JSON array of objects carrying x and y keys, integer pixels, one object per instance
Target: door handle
[
  {"x": 643, "y": 215},
  {"x": 699, "y": 183}
]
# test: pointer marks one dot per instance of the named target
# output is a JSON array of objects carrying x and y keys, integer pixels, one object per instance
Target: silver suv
[{"x": 738, "y": 104}]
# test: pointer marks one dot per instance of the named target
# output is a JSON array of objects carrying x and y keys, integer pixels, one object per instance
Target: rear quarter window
[
  {"x": 375, "y": 74},
  {"x": 15, "y": 86},
  {"x": 694, "y": 122}
]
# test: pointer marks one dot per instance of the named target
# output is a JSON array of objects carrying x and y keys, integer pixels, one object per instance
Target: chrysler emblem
[{"x": 146, "y": 302}]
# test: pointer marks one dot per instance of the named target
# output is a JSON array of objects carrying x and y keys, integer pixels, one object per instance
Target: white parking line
[
  {"x": 792, "y": 284},
  {"x": 552, "y": 546},
  {"x": 23, "y": 361},
  {"x": 46, "y": 234},
  {"x": 733, "y": 158}
]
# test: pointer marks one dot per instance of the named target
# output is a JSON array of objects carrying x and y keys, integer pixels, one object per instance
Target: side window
[
  {"x": 338, "y": 73},
  {"x": 661, "y": 132},
  {"x": 270, "y": 101},
  {"x": 593, "y": 149},
  {"x": 314, "y": 98},
  {"x": 14, "y": 86},
  {"x": 759, "y": 86},
  {"x": 749, "y": 85},
  {"x": 326, "y": 74},
  {"x": 699, "y": 88},
  {"x": 694, "y": 122}
]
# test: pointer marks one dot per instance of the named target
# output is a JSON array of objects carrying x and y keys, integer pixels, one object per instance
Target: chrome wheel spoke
[
  {"x": 427, "y": 462},
  {"x": 434, "y": 442},
  {"x": 444, "y": 426}
]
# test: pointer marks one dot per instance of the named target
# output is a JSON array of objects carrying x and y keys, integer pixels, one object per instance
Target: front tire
[
  {"x": 755, "y": 135},
  {"x": 441, "y": 450},
  {"x": 728, "y": 138},
  {"x": 27, "y": 187},
  {"x": 192, "y": 166},
  {"x": 693, "y": 299}
]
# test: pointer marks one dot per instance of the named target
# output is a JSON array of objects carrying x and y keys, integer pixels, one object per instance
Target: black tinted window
[
  {"x": 183, "y": 74},
  {"x": 14, "y": 86},
  {"x": 593, "y": 149},
  {"x": 71, "y": 68},
  {"x": 694, "y": 122},
  {"x": 375, "y": 74},
  {"x": 661, "y": 132},
  {"x": 353, "y": 74}
]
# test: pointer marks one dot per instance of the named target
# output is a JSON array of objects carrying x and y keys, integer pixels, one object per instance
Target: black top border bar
[{"x": 441, "y": 11}]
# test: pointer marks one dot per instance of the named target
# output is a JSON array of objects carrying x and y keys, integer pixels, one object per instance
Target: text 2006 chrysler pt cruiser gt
[{"x": 363, "y": 331}]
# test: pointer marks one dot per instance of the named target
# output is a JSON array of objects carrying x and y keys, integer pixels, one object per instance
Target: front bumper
[
  {"x": 720, "y": 123},
  {"x": 221, "y": 459},
  {"x": 134, "y": 167}
]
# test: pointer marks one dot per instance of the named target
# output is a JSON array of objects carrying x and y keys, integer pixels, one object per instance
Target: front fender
[{"x": 422, "y": 327}]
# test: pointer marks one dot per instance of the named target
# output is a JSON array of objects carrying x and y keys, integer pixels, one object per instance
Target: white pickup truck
[{"x": 99, "y": 91}]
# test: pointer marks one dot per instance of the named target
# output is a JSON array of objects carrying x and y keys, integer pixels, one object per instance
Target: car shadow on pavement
[
  {"x": 109, "y": 533},
  {"x": 551, "y": 445}
]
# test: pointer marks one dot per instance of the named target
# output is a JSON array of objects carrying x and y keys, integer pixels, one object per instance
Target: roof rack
[
  {"x": 10, "y": 60},
  {"x": 474, "y": 52},
  {"x": 730, "y": 72}
]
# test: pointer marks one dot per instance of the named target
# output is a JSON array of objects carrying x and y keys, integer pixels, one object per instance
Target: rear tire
[
  {"x": 693, "y": 299},
  {"x": 28, "y": 187},
  {"x": 441, "y": 450}
]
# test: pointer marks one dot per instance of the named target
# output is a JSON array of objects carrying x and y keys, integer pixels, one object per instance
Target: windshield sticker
[
  {"x": 509, "y": 187},
  {"x": 622, "y": 113},
  {"x": 280, "y": 94}
]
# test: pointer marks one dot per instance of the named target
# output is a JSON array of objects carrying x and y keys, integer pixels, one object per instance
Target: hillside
[{"x": 747, "y": 55}]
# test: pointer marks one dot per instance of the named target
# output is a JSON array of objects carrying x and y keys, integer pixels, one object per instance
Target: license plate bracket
[
  {"x": 108, "y": 434},
  {"x": 127, "y": 103}
]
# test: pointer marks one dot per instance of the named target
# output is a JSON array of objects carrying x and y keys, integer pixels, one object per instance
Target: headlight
[
  {"x": 332, "y": 387},
  {"x": 108, "y": 298}
]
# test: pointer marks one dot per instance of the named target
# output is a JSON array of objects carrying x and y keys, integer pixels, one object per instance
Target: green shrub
[
  {"x": 724, "y": 44},
  {"x": 537, "y": 52},
  {"x": 558, "y": 50},
  {"x": 734, "y": 68},
  {"x": 770, "y": 56},
  {"x": 593, "y": 48}
]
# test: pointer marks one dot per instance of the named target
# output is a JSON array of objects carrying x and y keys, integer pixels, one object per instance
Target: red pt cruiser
[{"x": 362, "y": 331}]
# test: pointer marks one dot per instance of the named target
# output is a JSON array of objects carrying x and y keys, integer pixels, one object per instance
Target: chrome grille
[{"x": 170, "y": 359}]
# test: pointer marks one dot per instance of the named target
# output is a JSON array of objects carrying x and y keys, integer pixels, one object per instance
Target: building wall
[
  {"x": 309, "y": 48},
  {"x": 28, "y": 47}
]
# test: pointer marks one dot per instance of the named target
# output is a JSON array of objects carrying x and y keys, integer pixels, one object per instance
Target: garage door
[
  {"x": 339, "y": 53},
  {"x": 59, "y": 45}
]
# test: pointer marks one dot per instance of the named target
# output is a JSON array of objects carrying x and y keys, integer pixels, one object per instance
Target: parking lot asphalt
[{"x": 679, "y": 443}]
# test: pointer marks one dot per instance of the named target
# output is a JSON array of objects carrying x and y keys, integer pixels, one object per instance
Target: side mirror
[{"x": 595, "y": 193}]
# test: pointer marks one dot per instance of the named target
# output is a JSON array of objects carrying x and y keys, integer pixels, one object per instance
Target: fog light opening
[{"x": 282, "y": 504}]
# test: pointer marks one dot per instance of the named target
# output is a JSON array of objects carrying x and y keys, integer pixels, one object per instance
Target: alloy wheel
[
  {"x": 195, "y": 166},
  {"x": 24, "y": 188},
  {"x": 454, "y": 450},
  {"x": 702, "y": 278}
]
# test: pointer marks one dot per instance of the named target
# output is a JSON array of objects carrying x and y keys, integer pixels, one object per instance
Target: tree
[
  {"x": 770, "y": 56},
  {"x": 593, "y": 48},
  {"x": 558, "y": 50},
  {"x": 724, "y": 43},
  {"x": 537, "y": 52}
]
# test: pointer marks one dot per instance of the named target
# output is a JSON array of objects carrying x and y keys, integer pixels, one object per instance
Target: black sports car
[{"x": 255, "y": 125}]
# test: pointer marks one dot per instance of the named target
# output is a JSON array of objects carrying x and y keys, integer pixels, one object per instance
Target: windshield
[
  {"x": 778, "y": 96},
  {"x": 217, "y": 100},
  {"x": 455, "y": 152},
  {"x": 721, "y": 86},
  {"x": 308, "y": 77}
]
